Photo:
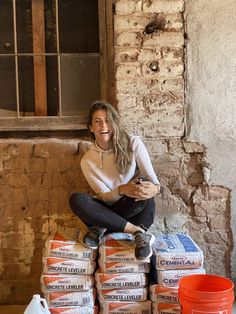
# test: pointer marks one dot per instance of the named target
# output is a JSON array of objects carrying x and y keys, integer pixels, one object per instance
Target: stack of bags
[
  {"x": 121, "y": 280},
  {"x": 67, "y": 280},
  {"x": 175, "y": 255}
]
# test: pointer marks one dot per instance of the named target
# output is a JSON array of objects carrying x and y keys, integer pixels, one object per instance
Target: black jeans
[{"x": 94, "y": 212}]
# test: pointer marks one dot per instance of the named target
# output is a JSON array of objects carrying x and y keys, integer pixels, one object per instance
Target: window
[{"x": 54, "y": 62}]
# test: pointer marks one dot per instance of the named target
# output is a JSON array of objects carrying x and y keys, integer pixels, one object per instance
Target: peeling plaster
[{"x": 211, "y": 93}]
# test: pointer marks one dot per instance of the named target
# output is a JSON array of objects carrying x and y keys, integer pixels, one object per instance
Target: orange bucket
[{"x": 211, "y": 294}]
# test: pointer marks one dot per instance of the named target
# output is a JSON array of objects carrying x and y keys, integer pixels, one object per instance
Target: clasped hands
[{"x": 139, "y": 190}]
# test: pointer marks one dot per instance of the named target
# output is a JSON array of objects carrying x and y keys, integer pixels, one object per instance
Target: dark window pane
[
  {"x": 50, "y": 26},
  {"x": 78, "y": 25},
  {"x": 26, "y": 85},
  {"x": 52, "y": 86},
  {"x": 6, "y": 27},
  {"x": 24, "y": 26},
  {"x": 80, "y": 83},
  {"x": 7, "y": 87}
]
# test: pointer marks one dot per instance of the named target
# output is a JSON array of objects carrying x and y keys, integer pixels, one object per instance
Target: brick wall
[
  {"x": 152, "y": 103},
  {"x": 37, "y": 176}
]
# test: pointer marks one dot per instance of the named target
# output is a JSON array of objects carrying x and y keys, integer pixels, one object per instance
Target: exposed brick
[
  {"x": 14, "y": 240},
  {"x": 176, "y": 146},
  {"x": 193, "y": 147},
  {"x": 36, "y": 194},
  {"x": 166, "y": 70},
  {"x": 161, "y": 129},
  {"x": 36, "y": 178},
  {"x": 162, "y": 39},
  {"x": 128, "y": 7},
  {"x": 172, "y": 53},
  {"x": 127, "y": 71},
  {"x": 37, "y": 164},
  {"x": 128, "y": 39},
  {"x": 156, "y": 147},
  {"x": 55, "y": 148},
  {"x": 36, "y": 209},
  {"x": 131, "y": 55},
  {"x": 168, "y": 167},
  {"x": 16, "y": 179},
  {"x": 128, "y": 55},
  {"x": 12, "y": 194},
  {"x": 20, "y": 164},
  {"x": 137, "y": 86},
  {"x": 133, "y": 22},
  {"x": 169, "y": 6},
  {"x": 172, "y": 84}
]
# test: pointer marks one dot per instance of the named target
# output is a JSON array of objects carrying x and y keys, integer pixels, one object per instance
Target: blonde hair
[{"x": 120, "y": 138}]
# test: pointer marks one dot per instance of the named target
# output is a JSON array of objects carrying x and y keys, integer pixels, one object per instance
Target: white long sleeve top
[{"x": 102, "y": 175}]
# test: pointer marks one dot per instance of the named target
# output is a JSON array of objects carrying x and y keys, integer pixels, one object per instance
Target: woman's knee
[
  {"x": 76, "y": 199},
  {"x": 150, "y": 211}
]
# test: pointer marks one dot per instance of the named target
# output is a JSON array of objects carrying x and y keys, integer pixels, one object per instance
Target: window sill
[{"x": 42, "y": 124}]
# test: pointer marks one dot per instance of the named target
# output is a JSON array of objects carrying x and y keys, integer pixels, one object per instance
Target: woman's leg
[
  {"x": 127, "y": 207},
  {"x": 94, "y": 212},
  {"x": 145, "y": 217},
  {"x": 137, "y": 213},
  {"x": 142, "y": 215}
]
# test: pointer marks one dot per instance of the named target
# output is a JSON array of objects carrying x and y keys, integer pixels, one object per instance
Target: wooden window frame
[{"x": 55, "y": 123}]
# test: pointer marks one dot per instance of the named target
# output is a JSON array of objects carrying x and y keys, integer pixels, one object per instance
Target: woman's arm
[{"x": 150, "y": 185}]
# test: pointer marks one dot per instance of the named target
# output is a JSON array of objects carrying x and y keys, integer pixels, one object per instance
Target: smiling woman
[
  {"x": 112, "y": 167},
  {"x": 102, "y": 129}
]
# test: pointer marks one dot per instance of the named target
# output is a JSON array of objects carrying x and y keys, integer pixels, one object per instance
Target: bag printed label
[
  {"x": 50, "y": 283},
  {"x": 112, "y": 268},
  {"x": 170, "y": 278},
  {"x": 176, "y": 251},
  {"x": 136, "y": 295},
  {"x": 69, "y": 250},
  {"x": 61, "y": 299},
  {"x": 116, "y": 281},
  {"x": 68, "y": 266},
  {"x": 74, "y": 310}
]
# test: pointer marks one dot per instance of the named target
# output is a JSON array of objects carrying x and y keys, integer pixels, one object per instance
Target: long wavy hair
[{"x": 120, "y": 139}]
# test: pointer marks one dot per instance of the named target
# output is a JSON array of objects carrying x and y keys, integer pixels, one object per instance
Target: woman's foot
[
  {"x": 93, "y": 236},
  {"x": 143, "y": 244}
]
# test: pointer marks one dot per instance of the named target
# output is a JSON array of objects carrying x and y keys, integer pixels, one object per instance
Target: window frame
[{"x": 73, "y": 123}]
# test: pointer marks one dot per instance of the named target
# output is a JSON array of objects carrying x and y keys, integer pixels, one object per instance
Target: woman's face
[{"x": 101, "y": 128}]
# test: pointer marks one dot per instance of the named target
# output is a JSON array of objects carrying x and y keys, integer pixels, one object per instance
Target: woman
[{"x": 119, "y": 171}]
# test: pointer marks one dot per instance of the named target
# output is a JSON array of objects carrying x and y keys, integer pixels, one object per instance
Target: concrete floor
[{"x": 19, "y": 309}]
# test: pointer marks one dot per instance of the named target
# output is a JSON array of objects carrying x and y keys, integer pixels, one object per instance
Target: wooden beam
[
  {"x": 40, "y": 82},
  {"x": 106, "y": 31},
  {"x": 103, "y": 49}
]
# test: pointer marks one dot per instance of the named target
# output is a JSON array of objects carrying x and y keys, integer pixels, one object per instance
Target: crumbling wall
[
  {"x": 36, "y": 180},
  {"x": 150, "y": 48},
  {"x": 37, "y": 176}
]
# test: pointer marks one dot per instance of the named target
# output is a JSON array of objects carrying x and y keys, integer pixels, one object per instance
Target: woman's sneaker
[
  {"x": 143, "y": 244},
  {"x": 93, "y": 236}
]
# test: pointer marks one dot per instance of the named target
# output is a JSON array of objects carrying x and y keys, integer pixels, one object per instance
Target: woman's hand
[{"x": 140, "y": 191}]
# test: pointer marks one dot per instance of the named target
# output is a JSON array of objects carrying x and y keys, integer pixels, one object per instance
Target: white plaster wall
[{"x": 211, "y": 90}]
